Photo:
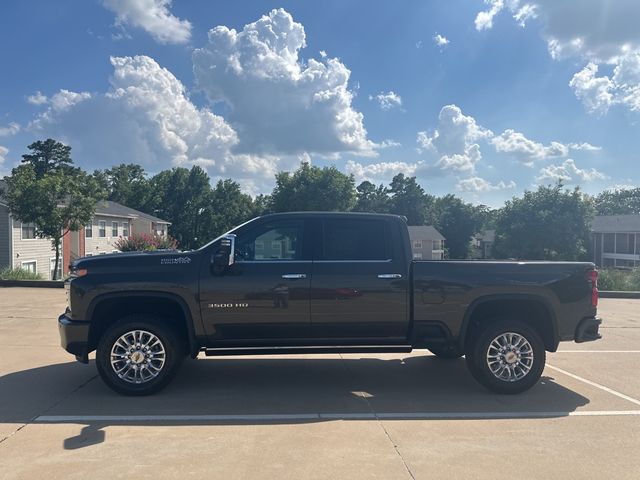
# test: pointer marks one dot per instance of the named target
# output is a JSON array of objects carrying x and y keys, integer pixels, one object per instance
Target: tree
[
  {"x": 457, "y": 221},
  {"x": 409, "y": 199},
  {"x": 229, "y": 207},
  {"x": 372, "y": 199},
  {"x": 618, "y": 202},
  {"x": 47, "y": 156},
  {"x": 61, "y": 200},
  {"x": 128, "y": 184},
  {"x": 551, "y": 223},
  {"x": 313, "y": 188}
]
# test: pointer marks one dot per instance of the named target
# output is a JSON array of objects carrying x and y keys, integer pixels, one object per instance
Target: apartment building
[
  {"x": 427, "y": 243},
  {"x": 615, "y": 241}
]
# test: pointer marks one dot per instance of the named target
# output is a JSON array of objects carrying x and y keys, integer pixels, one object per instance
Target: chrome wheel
[
  {"x": 137, "y": 356},
  {"x": 510, "y": 357}
]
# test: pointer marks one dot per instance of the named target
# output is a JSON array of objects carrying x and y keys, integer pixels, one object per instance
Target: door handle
[
  {"x": 294, "y": 276},
  {"x": 389, "y": 275}
]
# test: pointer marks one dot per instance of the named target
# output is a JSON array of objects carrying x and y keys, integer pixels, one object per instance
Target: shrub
[
  {"x": 614, "y": 279},
  {"x": 145, "y": 242},
  {"x": 18, "y": 274}
]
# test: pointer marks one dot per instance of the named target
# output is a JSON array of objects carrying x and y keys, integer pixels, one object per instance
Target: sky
[{"x": 483, "y": 99}]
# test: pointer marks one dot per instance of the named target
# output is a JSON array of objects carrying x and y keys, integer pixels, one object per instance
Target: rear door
[
  {"x": 358, "y": 288},
  {"x": 264, "y": 296}
]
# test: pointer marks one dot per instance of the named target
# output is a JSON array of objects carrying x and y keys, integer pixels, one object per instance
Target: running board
[{"x": 213, "y": 352}]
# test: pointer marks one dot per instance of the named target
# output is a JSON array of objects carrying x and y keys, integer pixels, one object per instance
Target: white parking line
[
  {"x": 594, "y": 384},
  {"x": 330, "y": 416}
]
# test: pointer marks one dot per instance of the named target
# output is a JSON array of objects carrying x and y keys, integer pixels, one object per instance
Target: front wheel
[
  {"x": 137, "y": 356},
  {"x": 506, "y": 357}
]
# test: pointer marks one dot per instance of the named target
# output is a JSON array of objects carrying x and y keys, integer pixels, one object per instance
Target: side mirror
[{"x": 225, "y": 256}]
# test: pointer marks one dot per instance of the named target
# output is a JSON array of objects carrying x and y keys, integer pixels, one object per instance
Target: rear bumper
[
  {"x": 587, "y": 330},
  {"x": 74, "y": 337}
]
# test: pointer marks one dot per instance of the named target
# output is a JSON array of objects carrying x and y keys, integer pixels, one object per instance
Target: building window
[
  {"x": 28, "y": 231},
  {"x": 88, "y": 230},
  {"x": 102, "y": 228},
  {"x": 125, "y": 229},
  {"x": 114, "y": 229},
  {"x": 609, "y": 243},
  {"x": 417, "y": 256},
  {"x": 417, "y": 244},
  {"x": 437, "y": 245},
  {"x": 30, "y": 266},
  {"x": 52, "y": 266}
]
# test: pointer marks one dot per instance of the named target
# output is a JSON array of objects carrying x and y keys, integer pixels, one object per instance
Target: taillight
[{"x": 592, "y": 276}]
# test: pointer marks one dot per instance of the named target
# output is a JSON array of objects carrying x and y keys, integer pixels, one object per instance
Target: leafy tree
[
  {"x": 228, "y": 207},
  {"x": 618, "y": 202},
  {"x": 457, "y": 221},
  {"x": 128, "y": 184},
  {"x": 551, "y": 223},
  {"x": 313, "y": 188},
  {"x": 47, "y": 156},
  {"x": 61, "y": 200},
  {"x": 372, "y": 199},
  {"x": 409, "y": 199}
]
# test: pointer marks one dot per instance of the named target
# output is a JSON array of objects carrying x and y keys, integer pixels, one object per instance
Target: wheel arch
[{"x": 504, "y": 304}]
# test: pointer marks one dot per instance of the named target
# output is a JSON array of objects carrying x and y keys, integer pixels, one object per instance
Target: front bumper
[
  {"x": 587, "y": 330},
  {"x": 74, "y": 337}
]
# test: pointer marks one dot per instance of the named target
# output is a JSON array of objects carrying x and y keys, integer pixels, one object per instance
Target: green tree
[
  {"x": 457, "y": 221},
  {"x": 128, "y": 184},
  {"x": 313, "y": 188},
  {"x": 618, "y": 202},
  {"x": 61, "y": 200},
  {"x": 47, "y": 156},
  {"x": 372, "y": 199},
  {"x": 409, "y": 199},
  {"x": 552, "y": 223},
  {"x": 229, "y": 207}
]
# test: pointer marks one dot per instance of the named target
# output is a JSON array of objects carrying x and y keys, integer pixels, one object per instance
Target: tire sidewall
[
  {"x": 477, "y": 363},
  {"x": 173, "y": 356}
]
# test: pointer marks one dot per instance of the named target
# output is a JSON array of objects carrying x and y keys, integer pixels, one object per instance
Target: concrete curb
[
  {"x": 619, "y": 294},
  {"x": 32, "y": 283}
]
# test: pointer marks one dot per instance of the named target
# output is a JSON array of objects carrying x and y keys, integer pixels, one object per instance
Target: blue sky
[{"x": 510, "y": 95}]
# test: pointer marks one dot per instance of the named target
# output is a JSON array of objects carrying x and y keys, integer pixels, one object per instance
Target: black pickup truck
[{"x": 321, "y": 283}]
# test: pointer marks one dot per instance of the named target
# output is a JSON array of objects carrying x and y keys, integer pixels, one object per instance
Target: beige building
[
  {"x": 615, "y": 241},
  {"x": 427, "y": 243}
]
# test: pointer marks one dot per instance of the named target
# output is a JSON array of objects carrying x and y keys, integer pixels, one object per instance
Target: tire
[
  {"x": 141, "y": 372},
  {"x": 521, "y": 366},
  {"x": 446, "y": 352}
]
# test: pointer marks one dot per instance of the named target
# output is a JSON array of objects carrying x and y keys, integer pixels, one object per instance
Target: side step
[{"x": 213, "y": 352}]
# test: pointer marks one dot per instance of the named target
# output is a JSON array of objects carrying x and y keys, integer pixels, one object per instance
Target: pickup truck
[{"x": 314, "y": 282}]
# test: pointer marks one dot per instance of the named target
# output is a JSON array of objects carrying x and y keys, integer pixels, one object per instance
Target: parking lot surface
[{"x": 390, "y": 416}]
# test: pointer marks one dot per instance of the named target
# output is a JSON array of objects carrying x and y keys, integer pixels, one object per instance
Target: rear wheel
[
  {"x": 506, "y": 357},
  {"x": 138, "y": 356},
  {"x": 446, "y": 352}
]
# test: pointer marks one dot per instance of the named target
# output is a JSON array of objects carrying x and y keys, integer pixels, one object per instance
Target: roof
[
  {"x": 115, "y": 209},
  {"x": 615, "y": 223},
  {"x": 425, "y": 232}
]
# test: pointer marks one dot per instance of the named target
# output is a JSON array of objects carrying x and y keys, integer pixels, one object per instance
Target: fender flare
[{"x": 509, "y": 296}]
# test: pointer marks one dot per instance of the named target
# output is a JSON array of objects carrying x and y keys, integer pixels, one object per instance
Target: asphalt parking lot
[{"x": 331, "y": 416}]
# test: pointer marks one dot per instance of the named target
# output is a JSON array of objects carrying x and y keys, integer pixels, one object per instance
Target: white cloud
[
  {"x": 37, "y": 99},
  {"x": 9, "y": 130},
  {"x": 585, "y": 146},
  {"x": 599, "y": 32},
  {"x": 3, "y": 154},
  {"x": 146, "y": 117},
  {"x": 388, "y": 100},
  {"x": 279, "y": 103},
  {"x": 568, "y": 172},
  {"x": 382, "y": 171},
  {"x": 153, "y": 16},
  {"x": 525, "y": 150},
  {"x": 454, "y": 140},
  {"x": 440, "y": 40},
  {"x": 477, "y": 184}
]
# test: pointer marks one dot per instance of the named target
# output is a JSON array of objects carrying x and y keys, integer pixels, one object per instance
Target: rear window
[{"x": 354, "y": 239}]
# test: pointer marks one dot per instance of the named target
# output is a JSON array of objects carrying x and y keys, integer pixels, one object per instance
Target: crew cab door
[
  {"x": 264, "y": 294},
  {"x": 359, "y": 285}
]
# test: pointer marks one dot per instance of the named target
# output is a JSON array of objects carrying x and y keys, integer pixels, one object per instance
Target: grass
[
  {"x": 18, "y": 274},
  {"x": 620, "y": 280}
]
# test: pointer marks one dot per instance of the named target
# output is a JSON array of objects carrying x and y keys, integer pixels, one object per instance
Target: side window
[
  {"x": 271, "y": 241},
  {"x": 354, "y": 239}
]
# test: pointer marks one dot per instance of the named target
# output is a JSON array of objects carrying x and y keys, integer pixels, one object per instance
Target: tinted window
[
  {"x": 272, "y": 241},
  {"x": 353, "y": 239}
]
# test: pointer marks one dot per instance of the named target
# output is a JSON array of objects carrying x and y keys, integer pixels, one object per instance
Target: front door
[
  {"x": 358, "y": 289},
  {"x": 264, "y": 295}
]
